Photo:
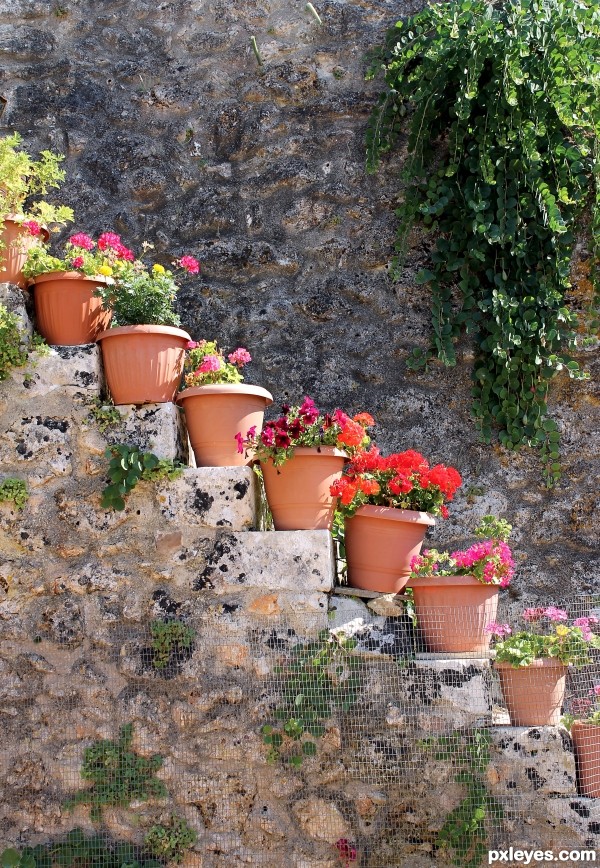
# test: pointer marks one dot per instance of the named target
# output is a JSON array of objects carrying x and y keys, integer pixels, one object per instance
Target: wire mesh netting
[{"x": 169, "y": 743}]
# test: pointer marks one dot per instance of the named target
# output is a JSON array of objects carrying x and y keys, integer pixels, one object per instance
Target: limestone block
[
  {"x": 321, "y": 819},
  {"x": 209, "y": 497},
  {"x": 69, "y": 370},
  {"x": 531, "y": 759},
  {"x": 156, "y": 428},
  {"x": 300, "y": 561},
  {"x": 543, "y": 822},
  {"x": 374, "y": 634},
  {"x": 40, "y": 444}
]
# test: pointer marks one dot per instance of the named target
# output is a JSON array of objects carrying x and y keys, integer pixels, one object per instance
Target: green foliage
[
  {"x": 319, "y": 678},
  {"x": 15, "y": 490},
  {"x": 170, "y": 842},
  {"x": 118, "y": 774},
  {"x": 23, "y": 177},
  {"x": 501, "y": 103},
  {"x": 464, "y": 831},
  {"x": 80, "y": 851},
  {"x": 127, "y": 466},
  {"x": 492, "y": 527},
  {"x": 141, "y": 297},
  {"x": 104, "y": 414},
  {"x": 13, "y": 353},
  {"x": 169, "y": 637}
]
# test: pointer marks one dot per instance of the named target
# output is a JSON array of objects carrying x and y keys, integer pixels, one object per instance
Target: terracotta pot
[
  {"x": 586, "y": 743},
  {"x": 380, "y": 543},
  {"x": 67, "y": 311},
  {"x": 533, "y": 694},
  {"x": 13, "y": 251},
  {"x": 215, "y": 414},
  {"x": 298, "y": 491},
  {"x": 143, "y": 364},
  {"x": 453, "y": 611}
]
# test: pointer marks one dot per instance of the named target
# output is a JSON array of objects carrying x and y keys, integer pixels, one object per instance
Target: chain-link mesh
[{"x": 169, "y": 743}]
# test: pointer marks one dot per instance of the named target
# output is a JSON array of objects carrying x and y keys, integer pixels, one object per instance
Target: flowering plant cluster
[
  {"x": 585, "y": 708},
  {"x": 490, "y": 560},
  {"x": 549, "y": 636},
  {"x": 206, "y": 364},
  {"x": 403, "y": 480},
  {"x": 305, "y": 425},
  {"x": 107, "y": 257}
]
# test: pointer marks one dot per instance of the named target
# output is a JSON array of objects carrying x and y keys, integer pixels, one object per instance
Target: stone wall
[
  {"x": 80, "y": 588},
  {"x": 174, "y": 134}
]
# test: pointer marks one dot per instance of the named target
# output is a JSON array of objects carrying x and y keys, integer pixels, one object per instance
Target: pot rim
[
  {"x": 539, "y": 663},
  {"x": 393, "y": 513},
  {"x": 144, "y": 330},
  {"x": 47, "y": 276},
  {"x": 225, "y": 389},
  {"x": 450, "y": 581},
  {"x": 326, "y": 451},
  {"x": 581, "y": 724}
]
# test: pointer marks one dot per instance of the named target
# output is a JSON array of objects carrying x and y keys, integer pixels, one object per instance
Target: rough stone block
[
  {"x": 156, "y": 428},
  {"x": 68, "y": 369},
  {"x": 210, "y": 497},
  {"x": 531, "y": 759},
  {"x": 299, "y": 561},
  {"x": 374, "y": 634}
]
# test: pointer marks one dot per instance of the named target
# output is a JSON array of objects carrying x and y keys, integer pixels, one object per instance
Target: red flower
[
  {"x": 364, "y": 419},
  {"x": 80, "y": 239},
  {"x": 32, "y": 227},
  {"x": 189, "y": 264}
]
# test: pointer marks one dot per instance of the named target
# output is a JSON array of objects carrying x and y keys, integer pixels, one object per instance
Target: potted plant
[
  {"x": 583, "y": 722},
  {"x": 24, "y": 226},
  {"x": 68, "y": 309},
  {"x": 217, "y": 404},
  {"x": 532, "y": 664},
  {"x": 388, "y": 503},
  {"x": 456, "y": 594},
  {"x": 301, "y": 454},
  {"x": 144, "y": 351}
]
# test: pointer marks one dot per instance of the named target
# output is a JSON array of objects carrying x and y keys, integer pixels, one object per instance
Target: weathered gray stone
[
  {"x": 224, "y": 497},
  {"x": 536, "y": 759}
]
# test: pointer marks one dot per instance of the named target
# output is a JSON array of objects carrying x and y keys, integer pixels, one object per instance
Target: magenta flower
[
  {"x": 32, "y": 227},
  {"x": 555, "y": 614},
  {"x": 191, "y": 345},
  {"x": 124, "y": 252},
  {"x": 533, "y": 614},
  {"x": 109, "y": 240},
  {"x": 595, "y": 691},
  {"x": 77, "y": 262},
  {"x": 308, "y": 411},
  {"x": 240, "y": 357},
  {"x": 189, "y": 264},
  {"x": 268, "y": 436},
  {"x": 80, "y": 239},
  {"x": 240, "y": 442}
]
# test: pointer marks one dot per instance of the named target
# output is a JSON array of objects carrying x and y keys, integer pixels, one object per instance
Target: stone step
[{"x": 531, "y": 759}]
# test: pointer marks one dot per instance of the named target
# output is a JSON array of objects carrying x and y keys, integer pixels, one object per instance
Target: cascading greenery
[{"x": 500, "y": 103}]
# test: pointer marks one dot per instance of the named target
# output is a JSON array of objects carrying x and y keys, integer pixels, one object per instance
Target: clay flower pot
[
  {"x": 380, "y": 543},
  {"x": 533, "y": 694},
  {"x": 215, "y": 414},
  {"x": 143, "y": 364},
  {"x": 586, "y": 743},
  {"x": 67, "y": 311},
  {"x": 17, "y": 241},
  {"x": 453, "y": 611},
  {"x": 298, "y": 490}
]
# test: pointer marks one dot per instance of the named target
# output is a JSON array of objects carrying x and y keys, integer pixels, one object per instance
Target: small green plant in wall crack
[
  {"x": 318, "y": 679},
  {"x": 501, "y": 106},
  {"x": 172, "y": 841},
  {"x": 15, "y": 491},
  {"x": 170, "y": 638},
  {"x": 118, "y": 775},
  {"x": 128, "y": 465}
]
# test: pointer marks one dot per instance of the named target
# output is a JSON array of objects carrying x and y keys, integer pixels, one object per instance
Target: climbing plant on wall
[{"x": 498, "y": 105}]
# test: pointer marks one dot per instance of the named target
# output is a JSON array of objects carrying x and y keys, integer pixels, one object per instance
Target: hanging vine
[{"x": 500, "y": 103}]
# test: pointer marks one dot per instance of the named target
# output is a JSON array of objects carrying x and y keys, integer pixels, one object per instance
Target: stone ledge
[
  {"x": 534, "y": 759},
  {"x": 223, "y": 497}
]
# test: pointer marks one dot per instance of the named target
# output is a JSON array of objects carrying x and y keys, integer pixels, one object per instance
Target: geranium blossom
[
  {"x": 189, "y": 264},
  {"x": 240, "y": 357},
  {"x": 32, "y": 227},
  {"x": 80, "y": 239},
  {"x": 210, "y": 363},
  {"x": 499, "y": 630}
]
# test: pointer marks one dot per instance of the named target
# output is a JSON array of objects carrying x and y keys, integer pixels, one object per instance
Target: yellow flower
[
  {"x": 106, "y": 270},
  {"x": 158, "y": 269},
  {"x": 561, "y": 630}
]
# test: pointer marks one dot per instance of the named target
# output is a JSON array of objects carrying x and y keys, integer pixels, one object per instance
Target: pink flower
[
  {"x": 595, "y": 691},
  {"x": 346, "y": 850},
  {"x": 555, "y": 614},
  {"x": 308, "y": 411},
  {"x": 499, "y": 630},
  {"x": 82, "y": 240},
  {"x": 189, "y": 264},
  {"x": 124, "y": 252},
  {"x": 268, "y": 437},
  {"x": 240, "y": 357},
  {"x": 240, "y": 442},
  {"x": 209, "y": 363},
  {"x": 533, "y": 614},
  {"x": 191, "y": 345},
  {"x": 109, "y": 240},
  {"x": 32, "y": 226},
  {"x": 77, "y": 262}
]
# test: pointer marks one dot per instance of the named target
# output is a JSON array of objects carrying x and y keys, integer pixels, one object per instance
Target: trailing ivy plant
[
  {"x": 319, "y": 678},
  {"x": 500, "y": 106},
  {"x": 127, "y": 466},
  {"x": 118, "y": 775}
]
